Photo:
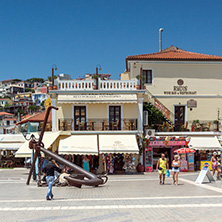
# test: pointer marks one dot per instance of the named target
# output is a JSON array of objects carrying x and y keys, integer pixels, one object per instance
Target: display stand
[{"x": 205, "y": 172}]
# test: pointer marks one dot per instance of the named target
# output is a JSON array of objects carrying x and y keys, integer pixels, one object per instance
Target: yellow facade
[{"x": 202, "y": 82}]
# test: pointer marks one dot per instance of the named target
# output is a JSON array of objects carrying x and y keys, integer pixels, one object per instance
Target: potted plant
[
  {"x": 142, "y": 83},
  {"x": 138, "y": 86}
]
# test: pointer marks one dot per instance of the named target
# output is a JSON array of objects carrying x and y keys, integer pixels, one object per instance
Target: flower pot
[
  {"x": 137, "y": 86},
  {"x": 140, "y": 168},
  {"x": 54, "y": 87},
  {"x": 50, "y": 87}
]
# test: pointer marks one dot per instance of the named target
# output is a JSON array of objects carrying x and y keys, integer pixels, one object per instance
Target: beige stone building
[{"x": 185, "y": 85}]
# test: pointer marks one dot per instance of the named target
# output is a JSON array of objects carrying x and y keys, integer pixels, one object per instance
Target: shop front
[
  {"x": 120, "y": 153},
  {"x": 205, "y": 146},
  {"x": 158, "y": 145},
  {"x": 113, "y": 154}
]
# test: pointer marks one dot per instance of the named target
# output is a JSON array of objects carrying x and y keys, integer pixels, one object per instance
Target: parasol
[{"x": 184, "y": 150}]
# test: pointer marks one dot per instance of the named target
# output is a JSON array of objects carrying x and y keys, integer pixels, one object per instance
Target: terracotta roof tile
[
  {"x": 11, "y": 119},
  {"x": 174, "y": 53},
  {"x": 37, "y": 117},
  {"x": 4, "y": 113}
]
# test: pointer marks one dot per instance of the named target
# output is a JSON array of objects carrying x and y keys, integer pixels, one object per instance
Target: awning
[
  {"x": 48, "y": 140},
  {"x": 118, "y": 144},
  {"x": 10, "y": 146},
  {"x": 12, "y": 138},
  {"x": 98, "y": 98},
  {"x": 79, "y": 144},
  {"x": 204, "y": 143}
]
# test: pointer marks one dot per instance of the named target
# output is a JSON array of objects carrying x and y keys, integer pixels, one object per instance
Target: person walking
[
  {"x": 85, "y": 163},
  {"x": 215, "y": 167},
  {"x": 48, "y": 171},
  {"x": 175, "y": 169},
  {"x": 161, "y": 167}
]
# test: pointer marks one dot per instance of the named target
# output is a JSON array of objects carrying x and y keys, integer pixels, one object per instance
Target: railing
[
  {"x": 75, "y": 84},
  {"x": 117, "y": 84},
  {"x": 193, "y": 126},
  {"x": 91, "y": 84},
  {"x": 97, "y": 125}
]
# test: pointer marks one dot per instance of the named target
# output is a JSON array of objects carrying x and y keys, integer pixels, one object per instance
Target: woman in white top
[{"x": 175, "y": 169}]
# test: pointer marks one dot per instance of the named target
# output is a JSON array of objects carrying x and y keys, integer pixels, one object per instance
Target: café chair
[
  {"x": 207, "y": 127},
  {"x": 62, "y": 124},
  {"x": 81, "y": 125},
  {"x": 133, "y": 124},
  {"x": 161, "y": 127},
  {"x": 170, "y": 128},
  {"x": 105, "y": 125},
  {"x": 115, "y": 125},
  {"x": 127, "y": 124},
  {"x": 90, "y": 125},
  {"x": 68, "y": 125},
  {"x": 184, "y": 127}
]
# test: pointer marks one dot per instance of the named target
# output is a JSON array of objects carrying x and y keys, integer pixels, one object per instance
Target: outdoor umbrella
[{"x": 184, "y": 150}]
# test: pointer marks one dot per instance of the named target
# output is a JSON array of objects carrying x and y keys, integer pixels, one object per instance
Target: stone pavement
[{"x": 124, "y": 198}]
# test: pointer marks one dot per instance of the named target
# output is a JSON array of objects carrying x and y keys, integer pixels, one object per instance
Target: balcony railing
[
  {"x": 193, "y": 126},
  {"x": 117, "y": 84},
  {"x": 75, "y": 84},
  {"x": 97, "y": 125},
  {"x": 91, "y": 84}
]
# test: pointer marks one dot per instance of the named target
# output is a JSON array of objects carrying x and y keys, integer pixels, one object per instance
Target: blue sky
[{"x": 78, "y": 35}]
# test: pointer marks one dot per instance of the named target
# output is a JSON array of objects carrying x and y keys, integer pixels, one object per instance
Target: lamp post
[{"x": 54, "y": 67}]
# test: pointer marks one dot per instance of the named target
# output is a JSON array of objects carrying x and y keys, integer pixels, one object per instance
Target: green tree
[
  {"x": 29, "y": 90},
  {"x": 35, "y": 79},
  {"x": 33, "y": 108},
  {"x": 155, "y": 116},
  {"x": 42, "y": 103},
  {"x": 50, "y": 78}
]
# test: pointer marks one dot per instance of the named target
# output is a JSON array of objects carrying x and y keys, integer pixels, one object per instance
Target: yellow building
[
  {"x": 102, "y": 120},
  {"x": 186, "y": 86}
]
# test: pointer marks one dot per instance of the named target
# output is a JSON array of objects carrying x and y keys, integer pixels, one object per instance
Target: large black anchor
[{"x": 78, "y": 179}]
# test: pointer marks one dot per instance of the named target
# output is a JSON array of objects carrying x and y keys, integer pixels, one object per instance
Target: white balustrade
[
  {"x": 117, "y": 84},
  {"x": 102, "y": 84},
  {"x": 75, "y": 84}
]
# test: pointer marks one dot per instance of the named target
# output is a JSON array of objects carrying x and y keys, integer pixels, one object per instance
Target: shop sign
[
  {"x": 162, "y": 108},
  {"x": 170, "y": 143},
  {"x": 180, "y": 89},
  {"x": 191, "y": 103}
]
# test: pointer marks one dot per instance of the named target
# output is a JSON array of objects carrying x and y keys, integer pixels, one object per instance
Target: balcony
[
  {"x": 97, "y": 125},
  {"x": 91, "y": 85},
  {"x": 193, "y": 126}
]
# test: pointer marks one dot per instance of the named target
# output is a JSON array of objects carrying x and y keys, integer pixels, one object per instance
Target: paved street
[{"x": 124, "y": 198}]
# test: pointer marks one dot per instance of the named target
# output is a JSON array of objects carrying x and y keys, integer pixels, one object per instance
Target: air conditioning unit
[
  {"x": 145, "y": 118},
  {"x": 150, "y": 132}
]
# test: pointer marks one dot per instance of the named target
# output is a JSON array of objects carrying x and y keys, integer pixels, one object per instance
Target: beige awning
[
  {"x": 10, "y": 146},
  {"x": 204, "y": 143},
  {"x": 48, "y": 140},
  {"x": 118, "y": 144},
  {"x": 79, "y": 144},
  {"x": 98, "y": 98}
]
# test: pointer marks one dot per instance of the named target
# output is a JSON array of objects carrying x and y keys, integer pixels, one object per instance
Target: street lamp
[{"x": 54, "y": 67}]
